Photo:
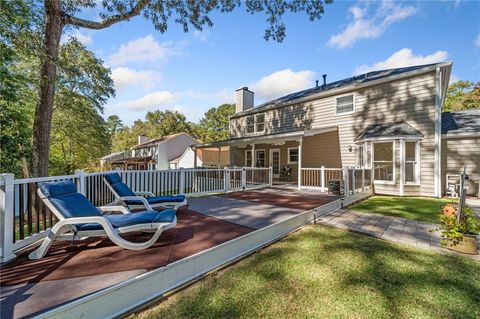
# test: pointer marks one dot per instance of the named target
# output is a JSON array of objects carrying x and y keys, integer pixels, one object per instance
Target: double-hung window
[
  {"x": 412, "y": 169},
  {"x": 260, "y": 158},
  {"x": 251, "y": 124},
  {"x": 292, "y": 155},
  {"x": 260, "y": 123},
  {"x": 248, "y": 158},
  {"x": 384, "y": 161},
  {"x": 345, "y": 104}
]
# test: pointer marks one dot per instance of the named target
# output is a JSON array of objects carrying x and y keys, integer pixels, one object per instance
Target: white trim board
[{"x": 119, "y": 299}]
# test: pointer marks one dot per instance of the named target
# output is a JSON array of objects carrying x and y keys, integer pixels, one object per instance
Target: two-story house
[{"x": 388, "y": 121}]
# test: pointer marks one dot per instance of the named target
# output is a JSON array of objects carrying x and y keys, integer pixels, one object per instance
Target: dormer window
[{"x": 345, "y": 104}]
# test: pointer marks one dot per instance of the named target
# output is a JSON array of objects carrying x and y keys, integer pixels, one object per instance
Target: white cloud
[
  {"x": 402, "y": 58},
  {"x": 126, "y": 77},
  {"x": 363, "y": 27},
  {"x": 152, "y": 101},
  {"x": 282, "y": 82},
  {"x": 201, "y": 35},
  {"x": 84, "y": 38},
  {"x": 145, "y": 49},
  {"x": 477, "y": 41},
  {"x": 453, "y": 78}
]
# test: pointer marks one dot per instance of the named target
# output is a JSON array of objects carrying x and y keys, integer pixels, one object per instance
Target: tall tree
[
  {"x": 114, "y": 124},
  {"x": 214, "y": 126},
  {"x": 60, "y": 14},
  {"x": 162, "y": 123},
  {"x": 462, "y": 95}
]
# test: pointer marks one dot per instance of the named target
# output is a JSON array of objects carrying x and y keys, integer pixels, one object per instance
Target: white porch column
[
  {"x": 402, "y": 166},
  {"x": 6, "y": 217},
  {"x": 299, "y": 177},
  {"x": 253, "y": 155}
]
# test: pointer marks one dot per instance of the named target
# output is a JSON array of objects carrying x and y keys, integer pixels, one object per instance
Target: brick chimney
[{"x": 244, "y": 99}]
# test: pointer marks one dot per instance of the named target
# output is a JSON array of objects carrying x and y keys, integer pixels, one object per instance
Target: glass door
[{"x": 275, "y": 162}]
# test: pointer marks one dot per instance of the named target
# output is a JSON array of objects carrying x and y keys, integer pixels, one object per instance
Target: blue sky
[{"x": 192, "y": 72}]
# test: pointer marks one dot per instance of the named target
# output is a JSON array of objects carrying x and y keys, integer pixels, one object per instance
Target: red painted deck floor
[{"x": 71, "y": 271}]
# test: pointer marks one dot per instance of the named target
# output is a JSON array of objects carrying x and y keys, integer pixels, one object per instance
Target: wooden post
[
  {"x": 195, "y": 157},
  {"x": 322, "y": 178},
  {"x": 299, "y": 177},
  {"x": 6, "y": 216}
]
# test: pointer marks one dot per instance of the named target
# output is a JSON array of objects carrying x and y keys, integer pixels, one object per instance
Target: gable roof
[
  {"x": 395, "y": 129},
  {"x": 354, "y": 80},
  {"x": 461, "y": 122},
  {"x": 156, "y": 141}
]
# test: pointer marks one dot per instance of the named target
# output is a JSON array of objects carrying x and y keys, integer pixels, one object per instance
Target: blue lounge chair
[
  {"x": 80, "y": 219},
  {"x": 133, "y": 200}
]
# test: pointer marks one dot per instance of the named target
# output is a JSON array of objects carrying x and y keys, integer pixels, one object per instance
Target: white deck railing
[
  {"x": 353, "y": 179},
  {"x": 24, "y": 219}
]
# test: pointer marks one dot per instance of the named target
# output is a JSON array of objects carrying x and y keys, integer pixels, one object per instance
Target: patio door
[{"x": 275, "y": 162}]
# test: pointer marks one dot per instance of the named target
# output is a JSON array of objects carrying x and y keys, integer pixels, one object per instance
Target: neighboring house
[
  {"x": 159, "y": 153},
  {"x": 389, "y": 121},
  {"x": 106, "y": 161}
]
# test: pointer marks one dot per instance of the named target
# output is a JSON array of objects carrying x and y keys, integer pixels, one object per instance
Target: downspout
[{"x": 438, "y": 133}]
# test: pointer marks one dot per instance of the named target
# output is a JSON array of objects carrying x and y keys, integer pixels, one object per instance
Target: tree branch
[{"x": 108, "y": 21}]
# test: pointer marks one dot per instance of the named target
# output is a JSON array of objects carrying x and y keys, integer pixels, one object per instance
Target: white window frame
[
  {"x": 256, "y": 123},
  {"x": 288, "y": 155},
  {"x": 343, "y": 95},
  {"x": 264, "y": 159},
  {"x": 246, "y": 157},
  {"x": 372, "y": 158},
  {"x": 246, "y": 124},
  {"x": 417, "y": 160}
]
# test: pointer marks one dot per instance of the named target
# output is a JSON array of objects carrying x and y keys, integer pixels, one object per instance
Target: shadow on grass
[{"x": 325, "y": 272}]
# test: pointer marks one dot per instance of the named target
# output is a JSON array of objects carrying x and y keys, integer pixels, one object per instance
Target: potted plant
[{"x": 460, "y": 234}]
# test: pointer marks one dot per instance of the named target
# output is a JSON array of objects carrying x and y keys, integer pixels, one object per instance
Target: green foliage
[
  {"x": 163, "y": 123},
  {"x": 19, "y": 37},
  {"x": 79, "y": 134},
  {"x": 454, "y": 230},
  {"x": 462, "y": 95},
  {"x": 114, "y": 124},
  {"x": 214, "y": 126}
]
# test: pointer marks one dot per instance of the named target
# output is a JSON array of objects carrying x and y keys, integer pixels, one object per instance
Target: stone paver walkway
[{"x": 394, "y": 229}]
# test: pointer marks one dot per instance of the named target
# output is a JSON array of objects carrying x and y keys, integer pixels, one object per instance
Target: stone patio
[{"x": 394, "y": 229}]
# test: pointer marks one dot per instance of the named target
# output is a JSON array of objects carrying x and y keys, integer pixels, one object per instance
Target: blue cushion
[
  {"x": 74, "y": 205},
  {"x": 122, "y": 189},
  {"x": 113, "y": 178},
  {"x": 119, "y": 221},
  {"x": 159, "y": 199},
  {"x": 58, "y": 188}
]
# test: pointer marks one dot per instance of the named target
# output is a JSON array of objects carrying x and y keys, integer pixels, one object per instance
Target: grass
[
  {"x": 322, "y": 272},
  {"x": 414, "y": 208}
]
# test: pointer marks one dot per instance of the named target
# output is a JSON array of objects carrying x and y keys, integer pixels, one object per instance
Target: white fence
[
  {"x": 354, "y": 179},
  {"x": 24, "y": 219}
]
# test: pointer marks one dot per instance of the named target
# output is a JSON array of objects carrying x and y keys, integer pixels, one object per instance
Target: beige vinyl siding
[
  {"x": 409, "y": 99},
  {"x": 458, "y": 152},
  {"x": 322, "y": 150}
]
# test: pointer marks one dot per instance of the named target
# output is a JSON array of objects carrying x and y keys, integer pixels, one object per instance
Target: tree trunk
[{"x": 44, "y": 109}]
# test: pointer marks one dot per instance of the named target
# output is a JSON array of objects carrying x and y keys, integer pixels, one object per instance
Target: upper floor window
[
  {"x": 250, "y": 124},
  {"x": 260, "y": 123},
  {"x": 345, "y": 104},
  {"x": 255, "y": 123}
]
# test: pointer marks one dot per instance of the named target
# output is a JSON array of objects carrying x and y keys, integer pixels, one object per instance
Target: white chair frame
[
  {"x": 122, "y": 200},
  {"x": 65, "y": 229}
]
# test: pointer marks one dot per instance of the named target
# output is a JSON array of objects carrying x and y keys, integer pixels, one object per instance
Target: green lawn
[
  {"x": 322, "y": 272},
  {"x": 415, "y": 208}
]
